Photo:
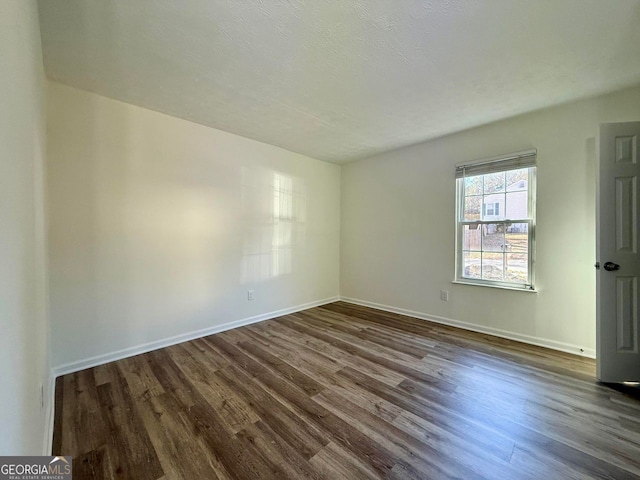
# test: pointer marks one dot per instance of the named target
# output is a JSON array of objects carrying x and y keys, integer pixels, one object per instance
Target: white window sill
[{"x": 501, "y": 287}]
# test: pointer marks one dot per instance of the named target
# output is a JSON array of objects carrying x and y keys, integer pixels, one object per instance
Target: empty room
[{"x": 282, "y": 239}]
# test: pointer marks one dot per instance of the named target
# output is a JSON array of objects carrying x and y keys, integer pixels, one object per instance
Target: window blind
[{"x": 524, "y": 159}]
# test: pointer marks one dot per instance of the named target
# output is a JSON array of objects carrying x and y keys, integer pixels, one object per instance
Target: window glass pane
[
  {"x": 517, "y": 179},
  {"x": 494, "y": 182},
  {"x": 471, "y": 265},
  {"x": 493, "y": 206},
  {"x": 492, "y": 266},
  {"x": 517, "y": 238},
  {"x": 517, "y": 258},
  {"x": 493, "y": 237},
  {"x": 516, "y": 268},
  {"x": 472, "y": 208},
  {"x": 472, "y": 237},
  {"x": 517, "y": 204},
  {"x": 473, "y": 185}
]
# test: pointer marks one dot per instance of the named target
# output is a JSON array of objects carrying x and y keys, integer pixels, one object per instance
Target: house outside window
[{"x": 495, "y": 219}]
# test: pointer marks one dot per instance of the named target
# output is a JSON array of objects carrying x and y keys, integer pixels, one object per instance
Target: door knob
[{"x": 610, "y": 266}]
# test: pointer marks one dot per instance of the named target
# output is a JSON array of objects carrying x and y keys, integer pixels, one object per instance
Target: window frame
[{"x": 531, "y": 221}]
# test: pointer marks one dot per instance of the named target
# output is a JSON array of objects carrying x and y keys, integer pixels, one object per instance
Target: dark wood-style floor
[{"x": 347, "y": 392}]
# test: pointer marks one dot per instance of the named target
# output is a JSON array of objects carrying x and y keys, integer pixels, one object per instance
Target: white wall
[
  {"x": 160, "y": 226},
  {"x": 24, "y": 355},
  {"x": 397, "y": 236}
]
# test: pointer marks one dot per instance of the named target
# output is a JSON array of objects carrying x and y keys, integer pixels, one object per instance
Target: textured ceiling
[{"x": 342, "y": 79}]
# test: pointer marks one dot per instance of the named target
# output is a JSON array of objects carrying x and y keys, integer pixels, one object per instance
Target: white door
[{"x": 617, "y": 319}]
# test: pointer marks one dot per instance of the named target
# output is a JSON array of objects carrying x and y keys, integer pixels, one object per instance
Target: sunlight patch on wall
[{"x": 279, "y": 202}]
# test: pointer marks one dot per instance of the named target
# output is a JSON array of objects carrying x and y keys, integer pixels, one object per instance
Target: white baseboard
[
  {"x": 540, "y": 342},
  {"x": 183, "y": 337}
]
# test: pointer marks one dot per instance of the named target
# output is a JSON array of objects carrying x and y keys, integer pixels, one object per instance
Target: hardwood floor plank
[
  {"x": 380, "y": 317},
  {"x": 326, "y": 376},
  {"x": 140, "y": 379},
  {"x": 333, "y": 462},
  {"x": 374, "y": 355},
  {"x": 294, "y": 376},
  {"x": 494, "y": 442},
  {"x": 473, "y": 455},
  {"x": 207, "y": 423},
  {"x": 368, "y": 401},
  {"x": 577, "y": 426},
  {"x": 172, "y": 438},
  {"x": 227, "y": 447},
  {"x": 301, "y": 341},
  {"x": 356, "y": 339},
  {"x": 493, "y": 346},
  {"x": 526, "y": 430},
  {"x": 304, "y": 437},
  {"x": 283, "y": 390},
  {"x": 402, "y": 345},
  {"x": 284, "y": 460},
  {"x": 83, "y": 408},
  {"x": 102, "y": 374},
  {"x": 436, "y": 463},
  {"x": 403, "y": 471},
  {"x": 93, "y": 464},
  {"x": 305, "y": 359},
  {"x": 58, "y": 425},
  {"x": 198, "y": 348},
  {"x": 347, "y": 392},
  {"x": 130, "y": 450},
  {"x": 171, "y": 377},
  {"x": 542, "y": 465},
  {"x": 234, "y": 411}
]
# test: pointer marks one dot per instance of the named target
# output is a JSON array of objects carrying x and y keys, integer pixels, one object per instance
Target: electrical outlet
[
  {"x": 444, "y": 295},
  {"x": 250, "y": 295}
]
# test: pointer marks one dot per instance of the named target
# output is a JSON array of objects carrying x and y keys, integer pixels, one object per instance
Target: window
[
  {"x": 491, "y": 209},
  {"x": 495, "y": 216}
]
